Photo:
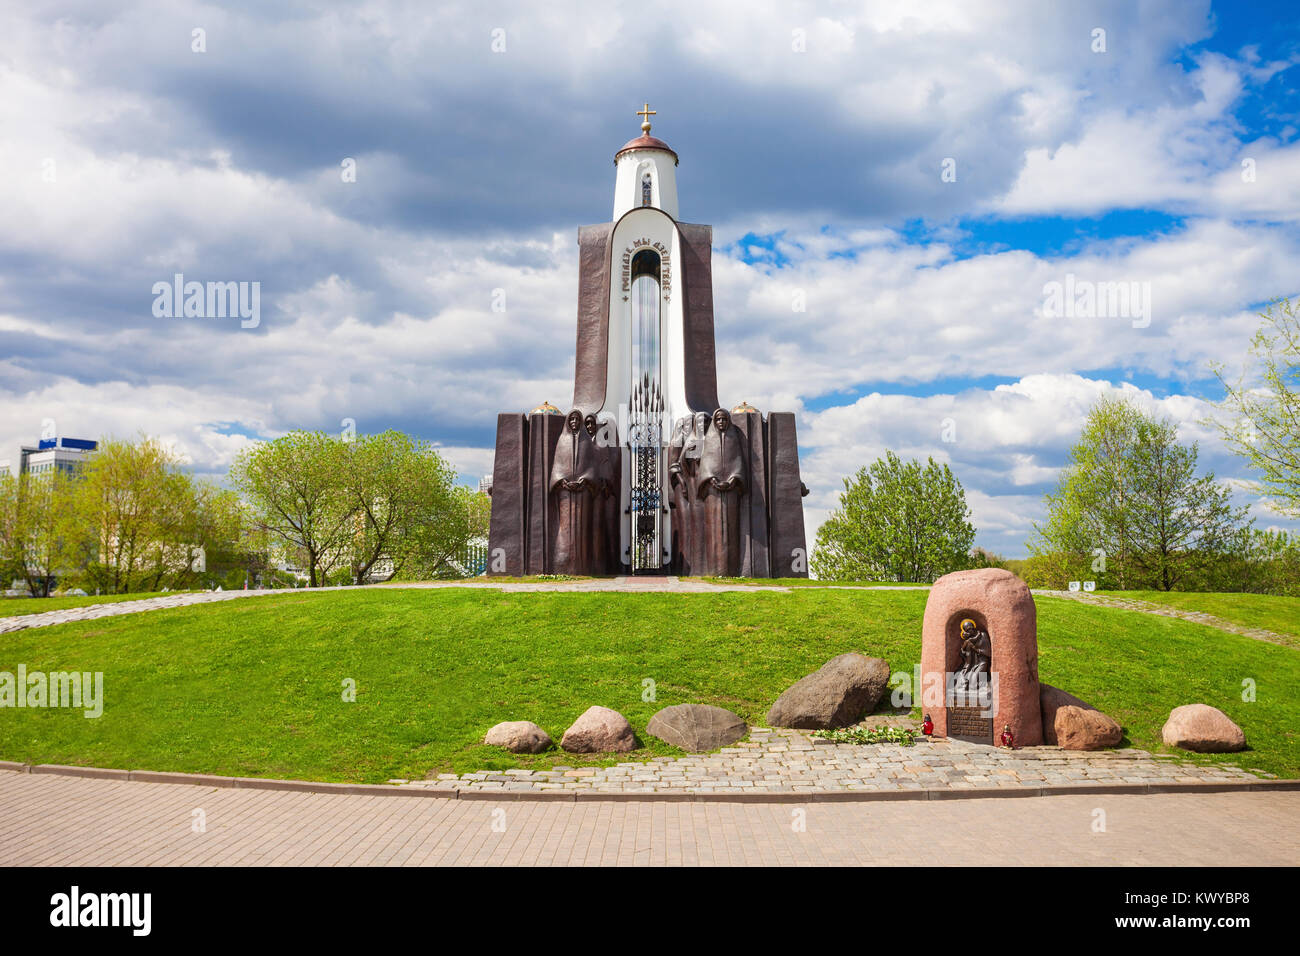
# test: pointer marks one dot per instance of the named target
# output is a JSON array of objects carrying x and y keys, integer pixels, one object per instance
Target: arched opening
[
  {"x": 646, "y": 405},
  {"x": 645, "y": 316}
]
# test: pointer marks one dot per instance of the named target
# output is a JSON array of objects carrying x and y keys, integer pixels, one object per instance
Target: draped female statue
[
  {"x": 679, "y": 483},
  {"x": 721, "y": 482},
  {"x": 576, "y": 484},
  {"x": 604, "y": 530}
]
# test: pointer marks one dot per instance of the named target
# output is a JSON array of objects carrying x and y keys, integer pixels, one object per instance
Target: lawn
[
  {"x": 12, "y": 607},
  {"x": 254, "y": 688},
  {"x": 1268, "y": 611},
  {"x": 807, "y": 583}
]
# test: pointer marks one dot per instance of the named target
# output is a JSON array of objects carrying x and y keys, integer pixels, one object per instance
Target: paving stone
[{"x": 789, "y": 760}]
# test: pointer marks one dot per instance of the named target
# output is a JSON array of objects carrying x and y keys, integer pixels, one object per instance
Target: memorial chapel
[{"x": 646, "y": 471}]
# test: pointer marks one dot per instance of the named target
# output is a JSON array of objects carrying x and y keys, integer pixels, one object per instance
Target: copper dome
[{"x": 646, "y": 141}]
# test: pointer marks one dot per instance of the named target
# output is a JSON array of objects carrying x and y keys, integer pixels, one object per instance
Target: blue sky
[{"x": 813, "y": 136}]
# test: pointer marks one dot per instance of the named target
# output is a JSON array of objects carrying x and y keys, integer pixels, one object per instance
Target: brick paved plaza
[{"x": 60, "y": 820}]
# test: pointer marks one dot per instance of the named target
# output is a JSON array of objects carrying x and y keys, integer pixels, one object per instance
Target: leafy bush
[{"x": 876, "y": 735}]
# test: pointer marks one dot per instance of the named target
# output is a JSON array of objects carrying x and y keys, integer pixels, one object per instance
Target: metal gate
[{"x": 646, "y": 510}]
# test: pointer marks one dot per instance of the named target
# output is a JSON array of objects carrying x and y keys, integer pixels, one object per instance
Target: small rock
[
  {"x": 519, "y": 736},
  {"x": 1202, "y": 728},
  {"x": 1084, "y": 728},
  {"x": 696, "y": 728},
  {"x": 1082, "y": 732},
  {"x": 1050, "y": 700},
  {"x": 599, "y": 730},
  {"x": 836, "y": 695}
]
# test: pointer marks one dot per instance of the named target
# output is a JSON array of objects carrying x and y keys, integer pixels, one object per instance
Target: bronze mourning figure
[
  {"x": 647, "y": 473},
  {"x": 976, "y": 658},
  {"x": 721, "y": 484}
]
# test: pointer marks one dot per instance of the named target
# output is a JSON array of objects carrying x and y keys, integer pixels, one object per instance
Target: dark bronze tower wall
[
  {"x": 591, "y": 368},
  {"x": 701, "y": 357},
  {"x": 507, "y": 532},
  {"x": 789, "y": 553},
  {"x": 543, "y": 433},
  {"x": 521, "y": 536},
  {"x": 754, "y": 561}
]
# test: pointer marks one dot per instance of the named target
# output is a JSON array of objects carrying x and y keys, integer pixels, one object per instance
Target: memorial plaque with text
[{"x": 971, "y": 724}]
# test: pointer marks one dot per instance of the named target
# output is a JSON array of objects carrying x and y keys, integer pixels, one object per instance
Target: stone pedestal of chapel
[{"x": 646, "y": 473}]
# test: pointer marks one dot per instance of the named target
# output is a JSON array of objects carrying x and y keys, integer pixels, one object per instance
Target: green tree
[
  {"x": 1130, "y": 510},
  {"x": 209, "y": 538},
  {"x": 1261, "y": 411},
  {"x": 1184, "y": 524},
  {"x": 130, "y": 497},
  {"x": 1090, "y": 515},
  {"x": 41, "y": 538},
  {"x": 1259, "y": 562},
  {"x": 298, "y": 489},
  {"x": 151, "y": 524},
  {"x": 438, "y": 547},
  {"x": 405, "y": 497},
  {"x": 349, "y": 506},
  {"x": 896, "y": 521}
]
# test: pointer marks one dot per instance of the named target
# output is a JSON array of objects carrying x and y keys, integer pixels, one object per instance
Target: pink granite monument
[{"x": 979, "y": 658}]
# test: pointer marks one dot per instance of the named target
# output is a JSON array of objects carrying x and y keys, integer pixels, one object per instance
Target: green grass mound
[{"x": 255, "y": 688}]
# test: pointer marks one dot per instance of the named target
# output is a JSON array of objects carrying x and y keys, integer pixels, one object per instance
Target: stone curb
[
  {"x": 63, "y": 770},
  {"x": 658, "y": 796}
]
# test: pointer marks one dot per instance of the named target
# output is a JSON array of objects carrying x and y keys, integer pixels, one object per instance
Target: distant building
[
  {"x": 48, "y": 456},
  {"x": 52, "y": 454},
  {"x": 485, "y": 485}
]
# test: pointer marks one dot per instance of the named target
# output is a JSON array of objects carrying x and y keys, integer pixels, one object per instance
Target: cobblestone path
[
  {"x": 785, "y": 761},
  {"x": 1164, "y": 610}
]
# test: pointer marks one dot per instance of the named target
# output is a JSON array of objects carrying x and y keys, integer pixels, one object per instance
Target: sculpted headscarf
[
  {"x": 722, "y": 456},
  {"x": 575, "y": 455}
]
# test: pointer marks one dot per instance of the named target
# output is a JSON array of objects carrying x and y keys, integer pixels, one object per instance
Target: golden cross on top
[{"x": 645, "y": 113}]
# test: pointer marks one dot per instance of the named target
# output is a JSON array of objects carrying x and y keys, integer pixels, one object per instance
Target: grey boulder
[
  {"x": 836, "y": 695},
  {"x": 599, "y": 730},
  {"x": 696, "y": 728},
  {"x": 1202, "y": 728},
  {"x": 519, "y": 736}
]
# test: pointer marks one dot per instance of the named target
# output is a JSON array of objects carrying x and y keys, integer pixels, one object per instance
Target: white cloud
[
  {"x": 377, "y": 296},
  {"x": 1183, "y": 155},
  {"x": 1011, "y": 442}
]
